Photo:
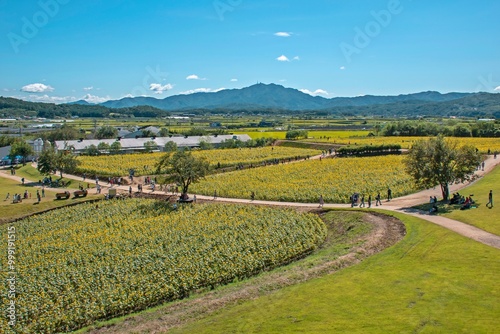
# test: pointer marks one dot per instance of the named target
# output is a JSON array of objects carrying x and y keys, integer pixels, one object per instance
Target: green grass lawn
[
  {"x": 9, "y": 211},
  {"x": 31, "y": 173},
  {"x": 487, "y": 219},
  {"x": 433, "y": 281}
]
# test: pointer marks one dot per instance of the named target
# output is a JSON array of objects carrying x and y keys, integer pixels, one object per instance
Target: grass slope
[
  {"x": 485, "y": 218},
  {"x": 432, "y": 281}
]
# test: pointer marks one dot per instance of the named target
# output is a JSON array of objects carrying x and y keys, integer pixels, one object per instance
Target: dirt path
[{"x": 401, "y": 204}]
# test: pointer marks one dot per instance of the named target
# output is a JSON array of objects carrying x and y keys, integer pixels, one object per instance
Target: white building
[{"x": 129, "y": 145}]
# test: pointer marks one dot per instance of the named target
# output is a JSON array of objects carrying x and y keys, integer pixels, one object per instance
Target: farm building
[{"x": 129, "y": 145}]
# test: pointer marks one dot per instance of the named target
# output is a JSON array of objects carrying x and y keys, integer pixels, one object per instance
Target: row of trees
[{"x": 423, "y": 128}]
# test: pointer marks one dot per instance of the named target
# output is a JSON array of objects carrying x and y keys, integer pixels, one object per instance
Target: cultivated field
[
  {"x": 144, "y": 164},
  {"x": 94, "y": 261},
  {"x": 336, "y": 179}
]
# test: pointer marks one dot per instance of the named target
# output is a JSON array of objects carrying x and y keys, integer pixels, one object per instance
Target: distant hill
[
  {"x": 272, "y": 96},
  {"x": 10, "y": 107},
  {"x": 81, "y": 102},
  {"x": 270, "y": 99}
]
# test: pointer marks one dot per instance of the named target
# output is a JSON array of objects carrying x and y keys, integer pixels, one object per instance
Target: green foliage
[
  {"x": 11, "y": 106},
  {"x": 150, "y": 146},
  {"x": 106, "y": 132},
  {"x": 170, "y": 146},
  {"x": 196, "y": 131},
  {"x": 432, "y": 128},
  {"x": 368, "y": 150},
  {"x": 21, "y": 148},
  {"x": 115, "y": 147},
  {"x": 163, "y": 132},
  {"x": 103, "y": 147},
  {"x": 439, "y": 161},
  {"x": 65, "y": 132},
  {"x": 47, "y": 161},
  {"x": 91, "y": 150},
  {"x": 296, "y": 134},
  {"x": 183, "y": 168},
  {"x": 205, "y": 145},
  {"x": 7, "y": 140}
]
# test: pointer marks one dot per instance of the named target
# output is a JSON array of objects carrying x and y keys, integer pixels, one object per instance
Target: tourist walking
[
  {"x": 490, "y": 199},
  {"x": 321, "y": 201},
  {"x": 362, "y": 204},
  {"x": 389, "y": 194},
  {"x": 215, "y": 193},
  {"x": 377, "y": 199},
  {"x": 369, "y": 201}
]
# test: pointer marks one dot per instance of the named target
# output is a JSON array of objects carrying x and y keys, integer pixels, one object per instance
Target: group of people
[{"x": 356, "y": 198}]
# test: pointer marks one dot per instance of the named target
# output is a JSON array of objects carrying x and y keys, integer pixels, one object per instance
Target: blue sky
[{"x": 65, "y": 50}]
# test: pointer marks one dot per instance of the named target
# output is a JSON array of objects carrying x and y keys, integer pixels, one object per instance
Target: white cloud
[
  {"x": 282, "y": 58},
  {"x": 202, "y": 90},
  {"x": 342, "y": 68},
  {"x": 46, "y": 98},
  {"x": 194, "y": 77},
  {"x": 296, "y": 58},
  {"x": 95, "y": 99},
  {"x": 497, "y": 89},
  {"x": 5, "y": 89},
  {"x": 88, "y": 88},
  {"x": 315, "y": 93},
  {"x": 283, "y": 34},
  {"x": 234, "y": 80},
  {"x": 37, "y": 88},
  {"x": 159, "y": 89}
]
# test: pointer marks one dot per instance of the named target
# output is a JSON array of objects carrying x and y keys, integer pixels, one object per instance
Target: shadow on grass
[{"x": 444, "y": 207}]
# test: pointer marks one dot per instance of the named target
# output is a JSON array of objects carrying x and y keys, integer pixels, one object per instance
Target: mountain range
[
  {"x": 272, "y": 96},
  {"x": 268, "y": 99}
]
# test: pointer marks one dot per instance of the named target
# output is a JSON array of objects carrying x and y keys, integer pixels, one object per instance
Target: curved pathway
[{"x": 402, "y": 204}]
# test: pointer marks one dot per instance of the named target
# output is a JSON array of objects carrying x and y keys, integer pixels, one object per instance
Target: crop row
[{"x": 88, "y": 262}]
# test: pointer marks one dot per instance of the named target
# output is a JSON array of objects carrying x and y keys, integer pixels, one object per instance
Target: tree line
[{"x": 451, "y": 129}]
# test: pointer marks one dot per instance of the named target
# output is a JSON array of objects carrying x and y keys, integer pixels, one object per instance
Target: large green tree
[
  {"x": 438, "y": 161},
  {"x": 106, "y": 132},
  {"x": 182, "y": 168},
  {"x": 47, "y": 161},
  {"x": 66, "y": 161},
  {"x": 20, "y": 148}
]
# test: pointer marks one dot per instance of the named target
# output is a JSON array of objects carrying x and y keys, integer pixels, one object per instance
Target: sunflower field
[
  {"x": 88, "y": 262},
  {"x": 144, "y": 164},
  {"x": 336, "y": 179}
]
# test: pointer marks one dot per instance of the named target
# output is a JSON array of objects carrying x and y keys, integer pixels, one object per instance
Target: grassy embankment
[
  {"x": 485, "y": 218},
  {"x": 433, "y": 281}
]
